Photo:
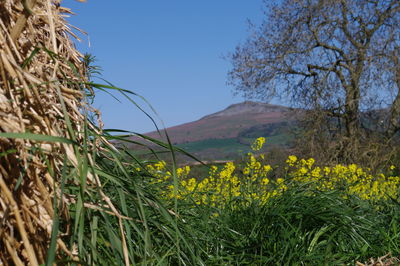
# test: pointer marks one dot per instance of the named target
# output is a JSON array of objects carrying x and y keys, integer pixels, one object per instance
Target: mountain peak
[
  {"x": 249, "y": 107},
  {"x": 228, "y": 123}
]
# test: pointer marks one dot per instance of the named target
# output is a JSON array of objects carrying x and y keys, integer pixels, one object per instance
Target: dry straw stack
[{"x": 40, "y": 90}]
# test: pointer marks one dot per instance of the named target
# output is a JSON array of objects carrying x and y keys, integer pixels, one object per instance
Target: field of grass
[
  {"x": 282, "y": 140},
  {"x": 230, "y": 149},
  {"x": 311, "y": 215},
  {"x": 243, "y": 215},
  {"x": 224, "y": 145}
]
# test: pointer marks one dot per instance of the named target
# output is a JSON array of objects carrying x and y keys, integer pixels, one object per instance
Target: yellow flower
[
  {"x": 310, "y": 162},
  {"x": 222, "y": 185},
  {"x": 246, "y": 171},
  {"x": 258, "y": 144},
  {"x": 291, "y": 160},
  {"x": 327, "y": 170},
  {"x": 280, "y": 180},
  {"x": 265, "y": 181},
  {"x": 160, "y": 165},
  {"x": 179, "y": 171},
  {"x": 267, "y": 168}
]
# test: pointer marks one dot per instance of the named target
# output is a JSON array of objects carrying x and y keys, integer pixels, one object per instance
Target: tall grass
[
  {"x": 294, "y": 228},
  {"x": 116, "y": 218},
  {"x": 297, "y": 229},
  {"x": 113, "y": 217},
  {"x": 144, "y": 231}
]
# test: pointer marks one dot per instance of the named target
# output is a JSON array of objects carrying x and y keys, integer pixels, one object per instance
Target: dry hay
[
  {"x": 35, "y": 84},
  {"x": 387, "y": 260}
]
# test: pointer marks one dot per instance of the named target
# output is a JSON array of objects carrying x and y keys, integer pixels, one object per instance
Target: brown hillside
[{"x": 227, "y": 123}]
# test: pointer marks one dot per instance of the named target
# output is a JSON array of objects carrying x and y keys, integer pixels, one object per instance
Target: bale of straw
[{"x": 41, "y": 74}]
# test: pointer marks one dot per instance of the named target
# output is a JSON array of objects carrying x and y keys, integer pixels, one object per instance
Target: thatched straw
[{"x": 41, "y": 74}]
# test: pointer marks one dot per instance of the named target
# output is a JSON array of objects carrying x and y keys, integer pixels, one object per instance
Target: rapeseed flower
[
  {"x": 258, "y": 144},
  {"x": 251, "y": 181}
]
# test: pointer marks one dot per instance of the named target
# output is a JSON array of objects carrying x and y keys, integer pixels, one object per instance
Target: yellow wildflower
[
  {"x": 258, "y": 144},
  {"x": 291, "y": 160}
]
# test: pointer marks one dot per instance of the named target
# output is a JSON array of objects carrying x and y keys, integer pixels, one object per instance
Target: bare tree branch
[{"x": 337, "y": 55}]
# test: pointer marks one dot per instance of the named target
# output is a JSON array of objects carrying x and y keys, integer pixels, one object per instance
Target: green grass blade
[{"x": 37, "y": 137}]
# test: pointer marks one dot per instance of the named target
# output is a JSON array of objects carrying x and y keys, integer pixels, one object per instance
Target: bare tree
[{"x": 339, "y": 56}]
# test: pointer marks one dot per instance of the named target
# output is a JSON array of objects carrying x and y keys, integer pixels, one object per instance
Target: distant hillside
[
  {"x": 228, "y": 123},
  {"x": 228, "y": 133},
  {"x": 249, "y": 107}
]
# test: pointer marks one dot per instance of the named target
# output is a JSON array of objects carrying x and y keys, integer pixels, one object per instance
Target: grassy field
[
  {"x": 245, "y": 214},
  {"x": 232, "y": 148},
  {"x": 223, "y": 145}
]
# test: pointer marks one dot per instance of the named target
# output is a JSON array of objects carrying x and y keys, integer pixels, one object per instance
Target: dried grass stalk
[
  {"x": 34, "y": 81},
  {"x": 387, "y": 260}
]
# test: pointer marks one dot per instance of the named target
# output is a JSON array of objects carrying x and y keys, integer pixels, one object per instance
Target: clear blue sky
[{"x": 170, "y": 52}]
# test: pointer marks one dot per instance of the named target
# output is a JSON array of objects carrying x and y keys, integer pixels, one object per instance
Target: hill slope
[{"x": 228, "y": 123}]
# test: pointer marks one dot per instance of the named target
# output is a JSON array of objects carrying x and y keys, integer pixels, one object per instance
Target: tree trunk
[{"x": 394, "y": 122}]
